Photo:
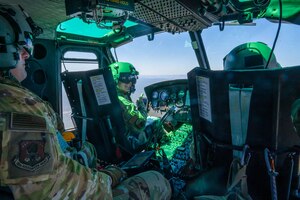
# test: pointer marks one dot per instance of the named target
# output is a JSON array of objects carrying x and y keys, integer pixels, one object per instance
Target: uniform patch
[{"x": 32, "y": 155}]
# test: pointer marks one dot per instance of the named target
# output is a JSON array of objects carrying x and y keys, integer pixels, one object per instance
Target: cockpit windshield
[
  {"x": 166, "y": 57},
  {"x": 219, "y": 43}
]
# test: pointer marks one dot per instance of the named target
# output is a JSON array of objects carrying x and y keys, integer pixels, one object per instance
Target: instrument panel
[{"x": 164, "y": 95}]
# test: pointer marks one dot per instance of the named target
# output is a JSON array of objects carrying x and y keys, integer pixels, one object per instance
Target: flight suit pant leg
[{"x": 144, "y": 186}]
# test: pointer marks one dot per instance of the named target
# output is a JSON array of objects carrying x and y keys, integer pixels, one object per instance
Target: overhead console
[
  {"x": 76, "y": 6},
  {"x": 192, "y": 15},
  {"x": 106, "y": 14},
  {"x": 172, "y": 16}
]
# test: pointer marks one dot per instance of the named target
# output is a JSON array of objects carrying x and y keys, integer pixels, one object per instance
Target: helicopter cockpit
[{"x": 222, "y": 126}]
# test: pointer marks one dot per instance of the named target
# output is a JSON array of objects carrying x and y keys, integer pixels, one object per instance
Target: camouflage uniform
[
  {"x": 146, "y": 185},
  {"x": 136, "y": 121},
  {"x": 33, "y": 165}
]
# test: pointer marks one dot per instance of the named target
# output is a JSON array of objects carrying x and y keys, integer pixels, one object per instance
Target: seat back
[
  {"x": 96, "y": 110},
  {"x": 233, "y": 108}
]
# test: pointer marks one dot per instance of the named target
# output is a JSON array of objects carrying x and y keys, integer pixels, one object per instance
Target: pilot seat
[{"x": 242, "y": 124}]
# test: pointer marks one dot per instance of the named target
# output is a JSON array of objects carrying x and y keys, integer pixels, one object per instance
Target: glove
[
  {"x": 117, "y": 174},
  {"x": 141, "y": 103}
]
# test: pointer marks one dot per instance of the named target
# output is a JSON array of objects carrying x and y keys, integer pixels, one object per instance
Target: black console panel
[{"x": 164, "y": 95}]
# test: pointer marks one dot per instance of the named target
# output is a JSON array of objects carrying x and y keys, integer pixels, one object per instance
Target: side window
[{"x": 75, "y": 61}]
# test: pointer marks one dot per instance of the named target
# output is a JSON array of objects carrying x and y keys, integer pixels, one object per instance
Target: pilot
[
  {"x": 141, "y": 128},
  {"x": 32, "y": 164},
  {"x": 252, "y": 55}
]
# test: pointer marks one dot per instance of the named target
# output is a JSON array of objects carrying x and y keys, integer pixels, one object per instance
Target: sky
[
  {"x": 171, "y": 54},
  {"x": 166, "y": 54}
]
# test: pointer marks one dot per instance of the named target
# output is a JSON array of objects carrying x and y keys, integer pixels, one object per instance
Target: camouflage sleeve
[
  {"x": 116, "y": 174},
  {"x": 59, "y": 124},
  {"x": 32, "y": 163},
  {"x": 132, "y": 115}
]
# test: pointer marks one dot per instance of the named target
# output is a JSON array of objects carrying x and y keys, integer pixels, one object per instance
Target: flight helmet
[
  {"x": 15, "y": 33},
  {"x": 124, "y": 72},
  {"x": 252, "y": 55}
]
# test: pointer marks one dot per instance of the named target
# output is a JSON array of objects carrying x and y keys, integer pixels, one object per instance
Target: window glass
[
  {"x": 75, "y": 61},
  {"x": 80, "y": 55}
]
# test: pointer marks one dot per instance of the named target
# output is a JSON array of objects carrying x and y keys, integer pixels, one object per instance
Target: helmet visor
[
  {"x": 27, "y": 43},
  {"x": 127, "y": 78}
]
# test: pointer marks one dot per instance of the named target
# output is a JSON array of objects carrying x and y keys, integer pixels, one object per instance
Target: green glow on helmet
[
  {"x": 122, "y": 67},
  {"x": 247, "y": 56}
]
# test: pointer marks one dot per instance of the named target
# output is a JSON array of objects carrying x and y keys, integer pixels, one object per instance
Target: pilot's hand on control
[
  {"x": 117, "y": 174},
  {"x": 141, "y": 102}
]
